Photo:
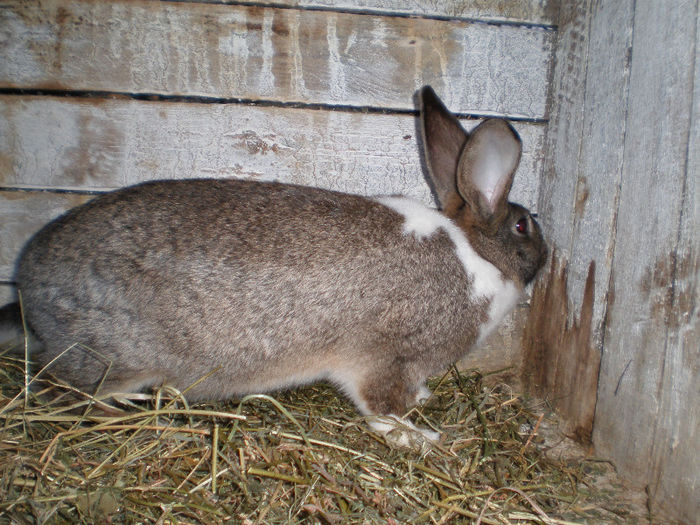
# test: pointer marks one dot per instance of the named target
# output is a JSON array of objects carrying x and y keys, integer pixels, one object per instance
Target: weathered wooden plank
[
  {"x": 102, "y": 144},
  {"x": 584, "y": 149},
  {"x": 62, "y": 143},
  {"x": 648, "y": 393},
  {"x": 560, "y": 359},
  {"x": 565, "y": 128},
  {"x": 514, "y": 11},
  {"x": 286, "y": 55},
  {"x": 599, "y": 168},
  {"x": 676, "y": 461},
  {"x": 560, "y": 362}
]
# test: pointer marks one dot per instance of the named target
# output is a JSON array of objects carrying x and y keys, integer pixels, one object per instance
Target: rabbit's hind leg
[{"x": 384, "y": 395}]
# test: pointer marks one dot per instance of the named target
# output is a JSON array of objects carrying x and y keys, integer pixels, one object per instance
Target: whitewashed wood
[
  {"x": 623, "y": 144},
  {"x": 73, "y": 143},
  {"x": 286, "y": 55},
  {"x": 64, "y": 143},
  {"x": 514, "y": 11},
  {"x": 633, "y": 414}
]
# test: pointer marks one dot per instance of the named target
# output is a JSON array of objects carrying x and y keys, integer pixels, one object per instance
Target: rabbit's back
[{"x": 256, "y": 285}]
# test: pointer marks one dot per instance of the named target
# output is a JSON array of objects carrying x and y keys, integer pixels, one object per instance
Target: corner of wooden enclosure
[{"x": 560, "y": 361}]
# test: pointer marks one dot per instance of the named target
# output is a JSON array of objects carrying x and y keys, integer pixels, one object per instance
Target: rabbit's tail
[{"x": 12, "y": 331}]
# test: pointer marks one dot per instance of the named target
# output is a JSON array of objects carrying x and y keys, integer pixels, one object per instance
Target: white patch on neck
[
  {"x": 488, "y": 282},
  {"x": 501, "y": 305}
]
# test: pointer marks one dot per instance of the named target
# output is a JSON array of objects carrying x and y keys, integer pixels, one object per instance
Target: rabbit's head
[{"x": 471, "y": 175}]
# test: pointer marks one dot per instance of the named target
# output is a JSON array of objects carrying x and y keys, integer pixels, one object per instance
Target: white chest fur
[{"x": 488, "y": 281}]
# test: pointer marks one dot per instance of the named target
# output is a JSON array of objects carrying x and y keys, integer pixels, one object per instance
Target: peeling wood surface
[
  {"x": 620, "y": 189},
  {"x": 560, "y": 361},
  {"x": 287, "y": 55},
  {"x": 561, "y": 345},
  {"x": 64, "y": 143},
  {"x": 515, "y": 11},
  {"x": 104, "y": 144}
]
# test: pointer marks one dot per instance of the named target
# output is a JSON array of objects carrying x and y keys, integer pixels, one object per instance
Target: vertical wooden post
[
  {"x": 620, "y": 189},
  {"x": 648, "y": 415}
]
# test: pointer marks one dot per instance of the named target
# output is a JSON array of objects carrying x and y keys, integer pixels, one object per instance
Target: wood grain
[
  {"x": 620, "y": 175},
  {"x": 565, "y": 128},
  {"x": 648, "y": 386},
  {"x": 579, "y": 193},
  {"x": 284, "y": 55},
  {"x": 560, "y": 357},
  {"x": 603, "y": 124}
]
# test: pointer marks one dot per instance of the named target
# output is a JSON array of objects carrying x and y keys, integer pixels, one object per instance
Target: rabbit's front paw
[{"x": 402, "y": 433}]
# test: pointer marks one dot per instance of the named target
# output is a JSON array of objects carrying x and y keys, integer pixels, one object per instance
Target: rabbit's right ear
[
  {"x": 443, "y": 141},
  {"x": 486, "y": 169}
]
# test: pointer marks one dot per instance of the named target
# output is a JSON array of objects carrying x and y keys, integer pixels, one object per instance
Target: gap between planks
[
  {"x": 204, "y": 99},
  {"x": 366, "y": 11}
]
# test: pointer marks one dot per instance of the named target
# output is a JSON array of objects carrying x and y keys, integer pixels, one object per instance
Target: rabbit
[{"x": 221, "y": 288}]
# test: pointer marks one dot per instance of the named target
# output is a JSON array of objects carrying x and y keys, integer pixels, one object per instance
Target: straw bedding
[{"x": 303, "y": 456}]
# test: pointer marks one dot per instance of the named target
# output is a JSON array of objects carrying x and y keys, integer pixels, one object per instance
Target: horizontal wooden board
[
  {"x": 512, "y": 11},
  {"x": 102, "y": 144},
  {"x": 284, "y": 55},
  {"x": 63, "y": 143}
]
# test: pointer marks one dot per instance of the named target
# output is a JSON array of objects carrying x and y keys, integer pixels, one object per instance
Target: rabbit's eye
[{"x": 521, "y": 226}]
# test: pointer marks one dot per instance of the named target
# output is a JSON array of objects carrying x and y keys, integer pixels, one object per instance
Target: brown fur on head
[{"x": 472, "y": 175}]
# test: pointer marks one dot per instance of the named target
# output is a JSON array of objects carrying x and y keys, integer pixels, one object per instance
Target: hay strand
[{"x": 299, "y": 456}]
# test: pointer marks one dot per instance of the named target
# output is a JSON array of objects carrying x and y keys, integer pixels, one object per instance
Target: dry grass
[{"x": 300, "y": 457}]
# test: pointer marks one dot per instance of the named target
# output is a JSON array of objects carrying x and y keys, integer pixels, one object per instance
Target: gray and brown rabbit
[{"x": 258, "y": 286}]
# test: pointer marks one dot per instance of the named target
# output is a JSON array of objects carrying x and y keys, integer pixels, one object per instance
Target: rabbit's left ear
[
  {"x": 443, "y": 139},
  {"x": 487, "y": 166}
]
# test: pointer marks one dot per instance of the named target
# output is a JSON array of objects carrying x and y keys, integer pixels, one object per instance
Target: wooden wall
[
  {"x": 95, "y": 95},
  {"x": 619, "y": 201}
]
